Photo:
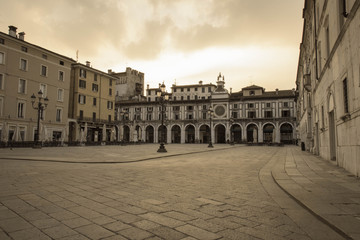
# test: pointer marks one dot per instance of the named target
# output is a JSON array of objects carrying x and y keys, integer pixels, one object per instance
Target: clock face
[{"x": 220, "y": 110}]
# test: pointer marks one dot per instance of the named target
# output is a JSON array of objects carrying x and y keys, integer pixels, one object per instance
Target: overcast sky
[{"x": 248, "y": 41}]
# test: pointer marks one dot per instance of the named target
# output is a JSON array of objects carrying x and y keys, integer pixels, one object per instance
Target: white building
[
  {"x": 328, "y": 82},
  {"x": 249, "y": 116}
]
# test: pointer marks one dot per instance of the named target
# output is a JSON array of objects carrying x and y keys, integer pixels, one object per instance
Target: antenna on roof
[{"x": 77, "y": 55}]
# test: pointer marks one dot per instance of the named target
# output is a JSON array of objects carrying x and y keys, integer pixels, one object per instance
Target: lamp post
[
  {"x": 211, "y": 114},
  {"x": 40, "y": 106},
  {"x": 163, "y": 97}
]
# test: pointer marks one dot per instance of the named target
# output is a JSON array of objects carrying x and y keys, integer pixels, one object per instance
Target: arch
[
  {"x": 286, "y": 133},
  {"x": 162, "y": 134},
  {"x": 149, "y": 134},
  {"x": 204, "y": 133},
  {"x": 236, "y": 133},
  {"x": 252, "y": 132},
  {"x": 220, "y": 133},
  {"x": 176, "y": 134},
  {"x": 269, "y": 132},
  {"x": 126, "y": 133},
  {"x": 190, "y": 133}
]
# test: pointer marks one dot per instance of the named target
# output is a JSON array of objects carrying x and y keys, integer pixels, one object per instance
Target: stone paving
[{"x": 191, "y": 192}]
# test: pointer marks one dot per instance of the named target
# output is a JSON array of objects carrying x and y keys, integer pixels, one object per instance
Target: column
[
  {"x": 260, "y": 133},
  {"x": 182, "y": 133}
]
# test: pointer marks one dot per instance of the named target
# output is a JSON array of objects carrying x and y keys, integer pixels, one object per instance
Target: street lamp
[
  {"x": 211, "y": 114},
  {"x": 162, "y": 98},
  {"x": 40, "y": 106}
]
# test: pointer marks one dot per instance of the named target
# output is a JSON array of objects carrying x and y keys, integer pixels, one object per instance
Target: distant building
[
  {"x": 92, "y": 103},
  {"x": 25, "y": 69},
  {"x": 328, "y": 82},
  {"x": 130, "y": 84},
  {"x": 251, "y": 115}
]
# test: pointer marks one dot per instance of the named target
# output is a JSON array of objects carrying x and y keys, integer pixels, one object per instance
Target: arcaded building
[
  {"x": 328, "y": 82},
  {"x": 251, "y": 115}
]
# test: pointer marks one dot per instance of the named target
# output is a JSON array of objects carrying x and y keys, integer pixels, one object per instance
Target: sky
[{"x": 171, "y": 41}]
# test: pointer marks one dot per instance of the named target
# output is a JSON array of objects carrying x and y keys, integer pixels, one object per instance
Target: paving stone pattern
[{"x": 207, "y": 195}]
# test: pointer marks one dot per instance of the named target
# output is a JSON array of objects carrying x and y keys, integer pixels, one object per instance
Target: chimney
[
  {"x": 87, "y": 63},
  {"x": 109, "y": 71},
  {"x": 277, "y": 91},
  {"x": 200, "y": 82},
  {"x": 22, "y": 36},
  {"x": 230, "y": 90},
  {"x": 12, "y": 31},
  {"x": 147, "y": 86}
]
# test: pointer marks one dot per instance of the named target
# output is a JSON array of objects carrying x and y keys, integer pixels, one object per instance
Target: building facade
[
  {"x": 24, "y": 70},
  {"x": 328, "y": 82},
  {"x": 92, "y": 104},
  {"x": 129, "y": 84},
  {"x": 249, "y": 116}
]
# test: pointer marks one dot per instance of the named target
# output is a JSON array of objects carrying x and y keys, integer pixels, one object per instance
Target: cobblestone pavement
[{"x": 228, "y": 193}]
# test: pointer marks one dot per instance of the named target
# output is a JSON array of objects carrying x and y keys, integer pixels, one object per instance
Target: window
[
  {"x": 188, "y": 89},
  {"x": 24, "y": 49},
  {"x": 2, "y": 81},
  {"x": 196, "y": 89},
  {"x": 110, "y": 82},
  {"x": 252, "y": 93},
  {"x": 61, "y": 76},
  {"x": 204, "y": 107},
  {"x": 81, "y": 114},
  {"x": 190, "y": 116},
  {"x": 82, "y": 84},
  {"x": 176, "y": 116},
  {"x": 23, "y": 64},
  {"x": 61, "y": 63},
  {"x": 94, "y": 101},
  {"x": 251, "y": 114},
  {"x": 285, "y": 113},
  {"x": 95, "y": 87},
  {"x": 22, "y": 86},
  {"x": 21, "y": 134},
  {"x": 322, "y": 117},
  {"x": 109, "y": 118},
  {"x": 43, "y": 70},
  {"x": 209, "y": 89},
  {"x": 234, "y": 115},
  {"x": 250, "y": 105},
  {"x": 286, "y": 104},
  {"x": 21, "y": 110},
  {"x": 188, "y": 97},
  {"x": 2, "y": 58},
  {"x": 345, "y": 95},
  {"x": 204, "y": 114},
  {"x": 110, "y": 105},
  {"x": 182, "y": 97},
  {"x": 174, "y": 98},
  {"x": 58, "y": 115},
  {"x": 268, "y": 114},
  {"x": 148, "y": 116},
  {"x": 44, "y": 56},
  {"x": 110, "y": 91},
  {"x": 2, "y": 41},
  {"x": 268, "y": 105},
  {"x": 95, "y": 77},
  {"x": 203, "y": 90},
  {"x": 82, "y": 99},
  {"x": 182, "y": 89},
  {"x": 43, "y": 89},
  {"x": 189, "y": 108},
  {"x": 327, "y": 41},
  {"x": 60, "y": 95},
  {"x": 235, "y": 105},
  {"x": 94, "y": 116},
  {"x": 176, "y": 108},
  {"x": 83, "y": 73},
  {"x": 196, "y": 97},
  {"x": 1, "y": 106}
]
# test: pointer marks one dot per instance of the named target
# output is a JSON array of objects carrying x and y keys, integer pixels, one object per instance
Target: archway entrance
[
  {"x": 204, "y": 134},
  {"x": 235, "y": 132},
  {"x": 252, "y": 133},
  {"x": 286, "y": 133},
  {"x": 175, "y": 134},
  {"x": 162, "y": 136},
  {"x": 269, "y": 133},
  {"x": 220, "y": 134},
  {"x": 149, "y": 138},
  {"x": 126, "y": 134},
  {"x": 190, "y": 134}
]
